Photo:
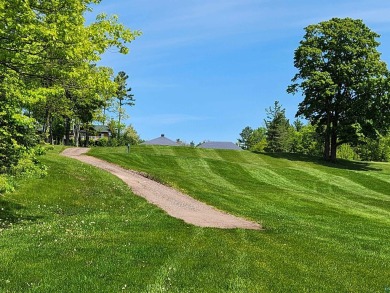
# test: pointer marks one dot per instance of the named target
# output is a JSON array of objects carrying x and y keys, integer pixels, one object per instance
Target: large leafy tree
[
  {"x": 344, "y": 83},
  {"x": 47, "y": 68}
]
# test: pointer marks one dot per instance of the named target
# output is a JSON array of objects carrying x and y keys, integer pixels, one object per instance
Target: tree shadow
[
  {"x": 9, "y": 214},
  {"x": 339, "y": 164}
]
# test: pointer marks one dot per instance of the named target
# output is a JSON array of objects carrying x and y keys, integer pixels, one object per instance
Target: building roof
[
  {"x": 162, "y": 140},
  {"x": 219, "y": 145},
  {"x": 101, "y": 128}
]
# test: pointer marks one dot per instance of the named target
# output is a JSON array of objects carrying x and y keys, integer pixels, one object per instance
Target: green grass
[{"x": 81, "y": 230}]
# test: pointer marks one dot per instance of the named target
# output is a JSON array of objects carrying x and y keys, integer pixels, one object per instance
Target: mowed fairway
[{"x": 327, "y": 227}]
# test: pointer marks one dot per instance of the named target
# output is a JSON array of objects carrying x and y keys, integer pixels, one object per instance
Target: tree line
[
  {"x": 49, "y": 74},
  {"x": 278, "y": 135},
  {"x": 346, "y": 96}
]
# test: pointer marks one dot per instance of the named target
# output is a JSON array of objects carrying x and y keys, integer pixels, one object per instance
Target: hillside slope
[
  {"x": 81, "y": 229},
  {"x": 328, "y": 218}
]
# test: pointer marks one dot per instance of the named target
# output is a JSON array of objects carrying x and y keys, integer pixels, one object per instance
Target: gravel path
[{"x": 175, "y": 203}]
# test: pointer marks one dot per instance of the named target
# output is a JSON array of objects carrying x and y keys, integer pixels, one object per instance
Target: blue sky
[{"x": 205, "y": 69}]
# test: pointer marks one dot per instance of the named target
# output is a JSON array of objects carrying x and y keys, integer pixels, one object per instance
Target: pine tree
[{"x": 277, "y": 126}]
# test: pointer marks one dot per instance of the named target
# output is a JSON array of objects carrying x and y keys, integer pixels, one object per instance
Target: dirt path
[{"x": 175, "y": 203}]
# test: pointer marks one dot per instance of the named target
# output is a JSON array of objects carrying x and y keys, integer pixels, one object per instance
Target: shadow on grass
[
  {"x": 339, "y": 164},
  {"x": 9, "y": 214}
]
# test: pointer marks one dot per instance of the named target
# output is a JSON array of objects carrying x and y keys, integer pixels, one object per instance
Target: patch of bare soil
[{"x": 175, "y": 203}]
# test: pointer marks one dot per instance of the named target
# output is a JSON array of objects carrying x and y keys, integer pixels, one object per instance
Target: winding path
[{"x": 175, "y": 203}]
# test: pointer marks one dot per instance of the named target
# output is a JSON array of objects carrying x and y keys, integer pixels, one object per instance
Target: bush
[
  {"x": 345, "y": 151},
  {"x": 6, "y": 184},
  {"x": 103, "y": 142},
  {"x": 259, "y": 147},
  {"x": 375, "y": 150},
  {"x": 113, "y": 142},
  {"x": 28, "y": 167}
]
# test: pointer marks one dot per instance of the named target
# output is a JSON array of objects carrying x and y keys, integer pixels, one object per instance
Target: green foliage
[
  {"x": 375, "y": 150},
  {"x": 6, "y": 184},
  {"x": 281, "y": 136},
  {"x": 344, "y": 83},
  {"x": 17, "y": 131},
  {"x": 347, "y": 152},
  {"x": 114, "y": 142},
  {"x": 123, "y": 97},
  {"x": 131, "y": 136},
  {"x": 259, "y": 146},
  {"x": 48, "y": 73},
  {"x": 102, "y": 142},
  {"x": 253, "y": 140},
  {"x": 245, "y": 135},
  {"x": 258, "y": 140},
  {"x": 305, "y": 141},
  {"x": 277, "y": 126}
]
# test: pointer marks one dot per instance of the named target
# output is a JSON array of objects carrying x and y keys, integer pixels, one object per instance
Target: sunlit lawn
[{"x": 80, "y": 229}]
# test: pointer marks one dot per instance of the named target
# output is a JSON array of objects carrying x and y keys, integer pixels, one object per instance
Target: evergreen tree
[
  {"x": 277, "y": 126},
  {"x": 123, "y": 97}
]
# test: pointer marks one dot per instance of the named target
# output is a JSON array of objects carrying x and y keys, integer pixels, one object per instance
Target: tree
[
  {"x": 375, "y": 150},
  {"x": 303, "y": 139},
  {"x": 245, "y": 135},
  {"x": 277, "y": 126},
  {"x": 123, "y": 97},
  {"x": 344, "y": 83},
  {"x": 47, "y": 69},
  {"x": 258, "y": 140},
  {"x": 131, "y": 136}
]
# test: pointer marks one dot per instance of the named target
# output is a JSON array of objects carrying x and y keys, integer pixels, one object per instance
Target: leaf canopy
[{"x": 344, "y": 82}]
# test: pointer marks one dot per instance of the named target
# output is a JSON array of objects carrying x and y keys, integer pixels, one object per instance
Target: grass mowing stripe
[
  {"x": 347, "y": 185},
  {"x": 375, "y": 182},
  {"x": 166, "y": 275},
  {"x": 238, "y": 282},
  {"x": 312, "y": 242},
  {"x": 207, "y": 172},
  {"x": 276, "y": 179}
]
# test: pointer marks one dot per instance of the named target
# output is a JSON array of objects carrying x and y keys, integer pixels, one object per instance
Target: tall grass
[{"x": 81, "y": 230}]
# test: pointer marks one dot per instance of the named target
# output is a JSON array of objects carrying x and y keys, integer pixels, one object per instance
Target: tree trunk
[
  {"x": 76, "y": 133},
  {"x": 333, "y": 143},
  {"x": 86, "y": 143},
  {"x": 104, "y": 115},
  {"x": 67, "y": 130},
  {"x": 45, "y": 125},
  {"x": 119, "y": 119},
  {"x": 327, "y": 147},
  {"x": 327, "y": 138},
  {"x": 333, "y": 147},
  {"x": 51, "y": 138}
]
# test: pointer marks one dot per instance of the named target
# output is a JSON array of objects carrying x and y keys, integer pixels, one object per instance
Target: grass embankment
[{"x": 80, "y": 229}]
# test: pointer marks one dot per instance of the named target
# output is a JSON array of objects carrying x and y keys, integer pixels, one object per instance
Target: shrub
[
  {"x": 6, "y": 184},
  {"x": 113, "y": 142},
  {"x": 375, "y": 150},
  {"x": 259, "y": 146},
  {"x": 103, "y": 142},
  {"x": 345, "y": 151},
  {"x": 28, "y": 167}
]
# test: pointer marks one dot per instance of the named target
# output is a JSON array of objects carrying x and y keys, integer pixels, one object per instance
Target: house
[
  {"x": 219, "y": 145},
  {"x": 162, "y": 140},
  {"x": 101, "y": 131},
  {"x": 95, "y": 132}
]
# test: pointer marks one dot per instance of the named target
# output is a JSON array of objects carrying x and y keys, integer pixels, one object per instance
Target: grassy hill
[{"x": 80, "y": 229}]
